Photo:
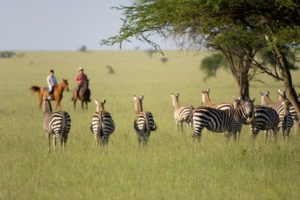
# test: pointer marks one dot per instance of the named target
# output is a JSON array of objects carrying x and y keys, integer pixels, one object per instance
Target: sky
[{"x": 63, "y": 25}]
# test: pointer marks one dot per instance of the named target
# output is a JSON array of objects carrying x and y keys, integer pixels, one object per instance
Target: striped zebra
[
  {"x": 144, "y": 122},
  {"x": 102, "y": 124},
  {"x": 282, "y": 108},
  {"x": 182, "y": 113},
  {"x": 265, "y": 119},
  {"x": 283, "y": 97},
  {"x": 56, "y": 125},
  {"x": 206, "y": 102},
  {"x": 230, "y": 120}
]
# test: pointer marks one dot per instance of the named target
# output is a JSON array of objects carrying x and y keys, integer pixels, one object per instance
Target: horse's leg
[
  {"x": 75, "y": 103},
  {"x": 82, "y": 105},
  {"x": 58, "y": 105}
]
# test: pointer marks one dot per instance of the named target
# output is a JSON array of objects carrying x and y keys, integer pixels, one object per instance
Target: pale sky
[{"x": 63, "y": 25}]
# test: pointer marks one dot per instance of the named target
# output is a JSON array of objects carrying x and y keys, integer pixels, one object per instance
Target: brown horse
[
  {"x": 83, "y": 95},
  {"x": 57, "y": 94}
]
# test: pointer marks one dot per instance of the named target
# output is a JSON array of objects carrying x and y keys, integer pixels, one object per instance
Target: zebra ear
[
  {"x": 252, "y": 100},
  {"x": 208, "y": 90},
  {"x": 96, "y": 102},
  {"x": 177, "y": 94},
  {"x": 104, "y": 101},
  {"x": 267, "y": 93},
  {"x": 141, "y": 97},
  {"x": 261, "y": 93},
  {"x": 134, "y": 97}
]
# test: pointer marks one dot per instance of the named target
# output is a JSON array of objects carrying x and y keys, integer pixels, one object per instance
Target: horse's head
[{"x": 65, "y": 84}]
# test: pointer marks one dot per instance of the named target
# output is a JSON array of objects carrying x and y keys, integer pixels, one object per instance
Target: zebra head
[
  {"x": 282, "y": 95},
  {"x": 205, "y": 96},
  {"x": 100, "y": 105},
  {"x": 138, "y": 103},
  {"x": 47, "y": 108},
  {"x": 175, "y": 99},
  {"x": 265, "y": 99},
  {"x": 286, "y": 105},
  {"x": 245, "y": 108}
]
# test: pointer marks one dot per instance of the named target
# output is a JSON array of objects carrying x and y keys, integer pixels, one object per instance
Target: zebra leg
[
  {"x": 96, "y": 139},
  {"x": 181, "y": 126},
  {"x": 177, "y": 125},
  {"x": 190, "y": 125},
  {"x": 297, "y": 127},
  {"x": 54, "y": 142},
  {"x": 61, "y": 140},
  {"x": 49, "y": 142},
  {"x": 254, "y": 134},
  {"x": 266, "y": 136}
]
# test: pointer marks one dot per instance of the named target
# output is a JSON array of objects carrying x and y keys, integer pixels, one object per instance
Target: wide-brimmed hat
[{"x": 80, "y": 69}]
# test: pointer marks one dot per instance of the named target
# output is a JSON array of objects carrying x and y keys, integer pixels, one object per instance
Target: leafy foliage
[{"x": 211, "y": 64}]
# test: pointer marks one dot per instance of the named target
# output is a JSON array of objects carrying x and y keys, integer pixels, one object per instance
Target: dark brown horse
[
  {"x": 83, "y": 95},
  {"x": 57, "y": 94}
]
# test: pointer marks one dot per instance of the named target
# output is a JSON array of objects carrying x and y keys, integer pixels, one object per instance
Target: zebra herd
[
  {"x": 224, "y": 118},
  {"x": 57, "y": 125},
  {"x": 228, "y": 118}
]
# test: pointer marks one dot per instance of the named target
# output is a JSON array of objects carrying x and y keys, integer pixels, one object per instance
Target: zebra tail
[
  {"x": 154, "y": 128},
  {"x": 146, "y": 121},
  {"x": 99, "y": 130}
]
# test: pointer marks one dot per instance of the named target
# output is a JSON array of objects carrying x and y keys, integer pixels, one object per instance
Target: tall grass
[{"x": 170, "y": 167}]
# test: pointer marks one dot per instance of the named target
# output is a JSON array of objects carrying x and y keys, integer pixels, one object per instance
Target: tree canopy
[{"x": 239, "y": 29}]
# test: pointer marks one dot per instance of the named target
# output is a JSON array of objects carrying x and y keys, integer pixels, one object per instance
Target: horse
[
  {"x": 57, "y": 93},
  {"x": 83, "y": 96}
]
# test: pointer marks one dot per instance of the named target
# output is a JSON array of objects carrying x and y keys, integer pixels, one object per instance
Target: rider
[
  {"x": 80, "y": 78},
  {"x": 52, "y": 83}
]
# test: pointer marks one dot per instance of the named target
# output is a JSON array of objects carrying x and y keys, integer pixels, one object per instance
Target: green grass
[{"x": 170, "y": 167}]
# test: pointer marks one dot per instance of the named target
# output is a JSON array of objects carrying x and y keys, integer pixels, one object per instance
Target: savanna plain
[{"x": 171, "y": 166}]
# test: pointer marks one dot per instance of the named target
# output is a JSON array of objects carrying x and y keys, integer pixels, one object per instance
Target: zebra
[
  {"x": 102, "y": 124},
  {"x": 219, "y": 121},
  {"x": 282, "y": 97},
  {"x": 265, "y": 118},
  {"x": 282, "y": 108},
  {"x": 206, "y": 102},
  {"x": 143, "y": 122},
  {"x": 56, "y": 125},
  {"x": 182, "y": 113}
]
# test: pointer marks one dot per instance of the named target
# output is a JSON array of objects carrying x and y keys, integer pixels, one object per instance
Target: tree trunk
[{"x": 287, "y": 80}]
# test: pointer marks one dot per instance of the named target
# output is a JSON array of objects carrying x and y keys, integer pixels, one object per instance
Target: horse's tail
[{"x": 35, "y": 88}]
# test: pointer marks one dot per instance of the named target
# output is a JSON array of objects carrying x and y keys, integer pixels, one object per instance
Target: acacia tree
[{"x": 236, "y": 28}]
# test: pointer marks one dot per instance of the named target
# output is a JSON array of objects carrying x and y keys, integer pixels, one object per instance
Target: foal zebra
[
  {"x": 144, "y": 122},
  {"x": 102, "y": 124},
  {"x": 219, "y": 106},
  {"x": 230, "y": 120},
  {"x": 265, "y": 118},
  {"x": 56, "y": 125},
  {"x": 282, "y": 108},
  {"x": 182, "y": 113},
  {"x": 282, "y": 98}
]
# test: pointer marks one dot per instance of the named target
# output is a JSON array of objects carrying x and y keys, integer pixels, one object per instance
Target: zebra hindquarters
[{"x": 142, "y": 132}]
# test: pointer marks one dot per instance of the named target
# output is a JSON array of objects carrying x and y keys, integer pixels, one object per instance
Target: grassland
[{"x": 170, "y": 167}]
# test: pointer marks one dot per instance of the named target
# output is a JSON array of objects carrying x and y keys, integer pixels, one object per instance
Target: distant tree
[
  {"x": 83, "y": 48},
  {"x": 164, "y": 60},
  {"x": 7, "y": 54}
]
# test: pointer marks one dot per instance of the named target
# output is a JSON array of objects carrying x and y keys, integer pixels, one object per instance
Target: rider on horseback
[
  {"x": 80, "y": 78},
  {"x": 52, "y": 83}
]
